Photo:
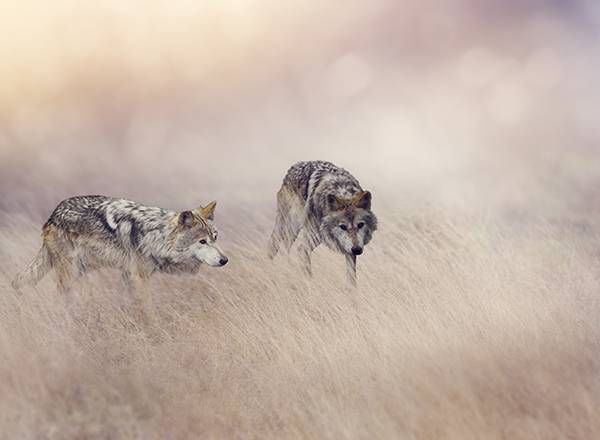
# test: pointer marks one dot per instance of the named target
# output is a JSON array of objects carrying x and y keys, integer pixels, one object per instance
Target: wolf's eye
[
  {"x": 203, "y": 241},
  {"x": 343, "y": 227},
  {"x": 360, "y": 225}
]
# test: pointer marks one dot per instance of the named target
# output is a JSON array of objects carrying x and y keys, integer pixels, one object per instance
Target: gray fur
[
  {"x": 320, "y": 202},
  {"x": 85, "y": 233}
]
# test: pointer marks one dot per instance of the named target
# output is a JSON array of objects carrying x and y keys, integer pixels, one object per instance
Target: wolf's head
[
  {"x": 349, "y": 223},
  {"x": 196, "y": 236}
]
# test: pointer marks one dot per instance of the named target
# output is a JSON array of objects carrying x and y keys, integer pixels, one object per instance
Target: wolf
[
  {"x": 85, "y": 233},
  {"x": 320, "y": 202}
]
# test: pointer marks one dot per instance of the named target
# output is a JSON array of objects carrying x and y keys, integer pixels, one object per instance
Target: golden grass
[
  {"x": 462, "y": 327},
  {"x": 459, "y": 329}
]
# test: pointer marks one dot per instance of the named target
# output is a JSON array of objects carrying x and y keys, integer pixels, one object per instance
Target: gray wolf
[
  {"x": 85, "y": 233},
  {"x": 320, "y": 202}
]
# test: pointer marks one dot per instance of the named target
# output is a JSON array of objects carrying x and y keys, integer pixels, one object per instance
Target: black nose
[
  {"x": 223, "y": 261},
  {"x": 357, "y": 250}
]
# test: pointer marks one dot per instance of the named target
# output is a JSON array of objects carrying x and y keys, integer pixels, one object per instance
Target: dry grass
[
  {"x": 459, "y": 329},
  {"x": 478, "y": 320}
]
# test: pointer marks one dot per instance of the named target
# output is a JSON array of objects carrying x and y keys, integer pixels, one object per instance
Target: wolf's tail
[{"x": 35, "y": 270}]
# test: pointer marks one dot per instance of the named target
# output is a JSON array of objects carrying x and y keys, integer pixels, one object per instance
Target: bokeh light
[{"x": 467, "y": 93}]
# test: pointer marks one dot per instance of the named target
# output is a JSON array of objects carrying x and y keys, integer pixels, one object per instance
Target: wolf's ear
[
  {"x": 362, "y": 200},
  {"x": 208, "y": 212},
  {"x": 335, "y": 203},
  {"x": 186, "y": 218}
]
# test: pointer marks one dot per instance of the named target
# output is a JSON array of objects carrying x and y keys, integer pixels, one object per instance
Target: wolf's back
[
  {"x": 84, "y": 215},
  {"x": 303, "y": 177},
  {"x": 76, "y": 210}
]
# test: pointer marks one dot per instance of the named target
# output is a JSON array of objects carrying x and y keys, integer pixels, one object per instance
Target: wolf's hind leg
[
  {"x": 60, "y": 249},
  {"x": 276, "y": 237},
  {"x": 35, "y": 270},
  {"x": 64, "y": 275},
  {"x": 286, "y": 228},
  {"x": 43, "y": 261}
]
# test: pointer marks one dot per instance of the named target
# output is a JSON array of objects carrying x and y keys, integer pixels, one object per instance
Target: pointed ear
[
  {"x": 186, "y": 218},
  {"x": 336, "y": 203},
  {"x": 362, "y": 200},
  {"x": 208, "y": 212}
]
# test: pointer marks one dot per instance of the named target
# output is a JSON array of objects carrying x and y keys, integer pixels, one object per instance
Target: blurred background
[
  {"x": 484, "y": 105},
  {"x": 473, "y": 123}
]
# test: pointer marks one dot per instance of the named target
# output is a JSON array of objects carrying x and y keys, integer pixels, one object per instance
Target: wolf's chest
[{"x": 167, "y": 265}]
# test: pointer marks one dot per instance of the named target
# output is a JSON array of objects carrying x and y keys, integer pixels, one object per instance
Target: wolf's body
[
  {"x": 320, "y": 202},
  {"x": 85, "y": 233}
]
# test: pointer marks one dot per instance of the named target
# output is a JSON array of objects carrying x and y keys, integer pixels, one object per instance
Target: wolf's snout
[
  {"x": 357, "y": 250},
  {"x": 223, "y": 261}
]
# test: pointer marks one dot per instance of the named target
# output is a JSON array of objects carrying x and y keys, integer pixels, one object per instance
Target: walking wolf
[
  {"x": 89, "y": 232},
  {"x": 320, "y": 202}
]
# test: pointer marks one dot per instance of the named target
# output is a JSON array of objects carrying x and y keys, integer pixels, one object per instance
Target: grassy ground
[
  {"x": 459, "y": 329},
  {"x": 473, "y": 124}
]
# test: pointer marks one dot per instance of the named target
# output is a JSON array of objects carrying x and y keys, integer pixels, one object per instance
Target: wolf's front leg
[
  {"x": 135, "y": 276},
  {"x": 351, "y": 268},
  {"x": 137, "y": 280}
]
